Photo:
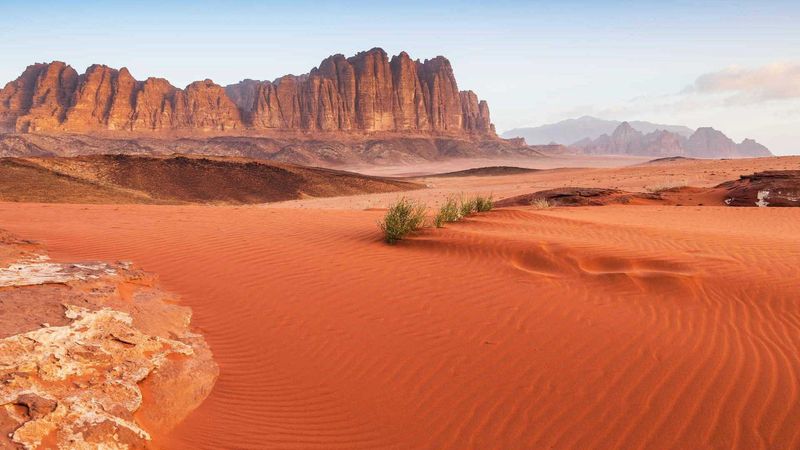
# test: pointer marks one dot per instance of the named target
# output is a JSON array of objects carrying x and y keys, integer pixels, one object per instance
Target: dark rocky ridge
[
  {"x": 329, "y": 150},
  {"x": 177, "y": 180},
  {"x": 776, "y": 188}
]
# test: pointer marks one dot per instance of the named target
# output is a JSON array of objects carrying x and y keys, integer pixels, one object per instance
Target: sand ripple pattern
[{"x": 614, "y": 327}]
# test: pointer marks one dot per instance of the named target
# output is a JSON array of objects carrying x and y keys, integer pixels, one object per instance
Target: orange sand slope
[
  {"x": 605, "y": 327},
  {"x": 632, "y": 176}
]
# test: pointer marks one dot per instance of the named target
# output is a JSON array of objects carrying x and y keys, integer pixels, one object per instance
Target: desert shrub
[
  {"x": 449, "y": 212},
  {"x": 541, "y": 203},
  {"x": 402, "y": 218},
  {"x": 467, "y": 206},
  {"x": 483, "y": 204}
]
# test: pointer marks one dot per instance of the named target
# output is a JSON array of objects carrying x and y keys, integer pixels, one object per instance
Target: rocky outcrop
[
  {"x": 153, "y": 106},
  {"x": 205, "y": 106},
  {"x": 770, "y": 188},
  {"x": 79, "y": 343},
  {"x": 366, "y": 93},
  {"x": 578, "y": 196},
  {"x": 476, "y": 113},
  {"x": 703, "y": 143},
  {"x": 39, "y": 98}
]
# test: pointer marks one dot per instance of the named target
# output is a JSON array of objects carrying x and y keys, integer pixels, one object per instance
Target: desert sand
[{"x": 593, "y": 327}]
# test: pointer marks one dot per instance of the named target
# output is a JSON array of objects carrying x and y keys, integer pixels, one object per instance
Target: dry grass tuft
[{"x": 541, "y": 203}]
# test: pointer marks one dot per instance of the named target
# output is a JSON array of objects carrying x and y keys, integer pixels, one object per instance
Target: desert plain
[{"x": 636, "y": 325}]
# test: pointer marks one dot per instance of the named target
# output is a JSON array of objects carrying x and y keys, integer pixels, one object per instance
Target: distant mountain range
[
  {"x": 573, "y": 130},
  {"x": 705, "y": 142},
  {"x": 591, "y": 135}
]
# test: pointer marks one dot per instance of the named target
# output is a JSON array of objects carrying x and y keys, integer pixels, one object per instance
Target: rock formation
[
  {"x": 770, "y": 188},
  {"x": 703, "y": 143},
  {"x": 365, "y": 93},
  {"x": 579, "y": 196},
  {"x": 39, "y": 98},
  {"x": 78, "y": 345}
]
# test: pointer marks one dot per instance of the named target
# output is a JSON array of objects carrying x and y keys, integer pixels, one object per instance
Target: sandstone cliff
[{"x": 365, "y": 93}]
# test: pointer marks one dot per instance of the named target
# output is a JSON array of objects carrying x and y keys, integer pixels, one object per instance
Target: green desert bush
[
  {"x": 467, "y": 206},
  {"x": 454, "y": 210},
  {"x": 403, "y": 217},
  {"x": 483, "y": 204},
  {"x": 449, "y": 212}
]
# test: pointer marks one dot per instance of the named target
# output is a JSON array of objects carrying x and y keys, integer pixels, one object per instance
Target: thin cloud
[
  {"x": 742, "y": 86},
  {"x": 733, "y": 88}
]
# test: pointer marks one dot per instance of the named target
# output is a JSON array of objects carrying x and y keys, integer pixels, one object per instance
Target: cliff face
[
  {"x": 364, "y": 93},
  {"x": 367, "y": 92},
  {"x": 703, "y": 143},
  {"x": 39, "y": 98}
]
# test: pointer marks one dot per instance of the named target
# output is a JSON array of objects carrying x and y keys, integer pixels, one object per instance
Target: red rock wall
[{"x": 364, "y": 93}]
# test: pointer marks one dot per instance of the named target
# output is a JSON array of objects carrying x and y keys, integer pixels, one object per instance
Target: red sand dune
[{"x": 611, "y": 327}]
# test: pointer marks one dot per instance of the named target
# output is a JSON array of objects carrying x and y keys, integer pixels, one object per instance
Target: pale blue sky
[{"x": 534, "y": 62}]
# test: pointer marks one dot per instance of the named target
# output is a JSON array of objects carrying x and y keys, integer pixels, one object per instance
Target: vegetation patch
[
  {"x": 484, "y": 204},
  {"x": 449, "y": 212},
  {"x": 406, "y": 216},
  {"x": 467, "y": 206},
  {"x": 541, "y": 203},
  {"x": 403, "y": 217},
  {"x": 454, "y": 210}
]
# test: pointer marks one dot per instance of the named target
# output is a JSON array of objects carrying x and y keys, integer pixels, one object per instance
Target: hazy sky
[{"x": 729, "y": 64}]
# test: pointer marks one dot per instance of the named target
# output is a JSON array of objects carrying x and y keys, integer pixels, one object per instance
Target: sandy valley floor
[{"x": 594, "y": 327}]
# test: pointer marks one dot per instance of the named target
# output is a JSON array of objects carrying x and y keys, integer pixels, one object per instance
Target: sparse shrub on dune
[
  {"x": 467, "y": 206},
  {"x": 541, "y": 203},
  {"x": 454, "y": 210},
  {"x": 484, "y": 204},
  {"x": 449, "y": 212},
  {"x": 406, "y": 216},
  {"x": 403, "y": 217}
]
